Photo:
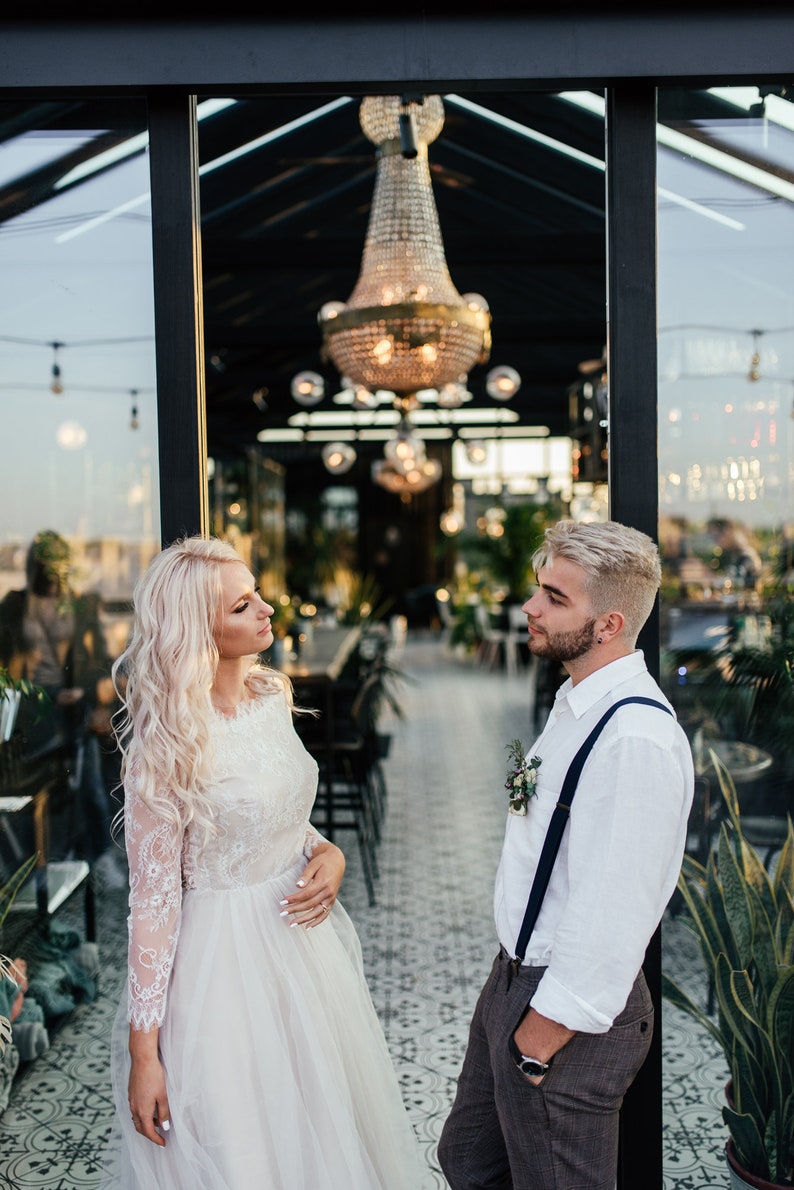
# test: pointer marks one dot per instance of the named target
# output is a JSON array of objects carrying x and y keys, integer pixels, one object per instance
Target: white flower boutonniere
[{"x": 522, "y": 777}]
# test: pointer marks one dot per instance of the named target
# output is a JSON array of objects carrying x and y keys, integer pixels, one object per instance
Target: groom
[{"x": 553, "y": 1048}]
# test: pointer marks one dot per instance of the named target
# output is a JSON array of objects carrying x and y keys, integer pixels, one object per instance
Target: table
[
  {"x": 322, "y": 659},
  {"x": 744, "y": 762},
  {"x": 52, "y": 882}
]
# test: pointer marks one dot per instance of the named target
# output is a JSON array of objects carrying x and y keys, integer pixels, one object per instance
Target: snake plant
[{"x": 743, "y": 919}]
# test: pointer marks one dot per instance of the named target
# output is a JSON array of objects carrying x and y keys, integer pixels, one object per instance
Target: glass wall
[
  {"x": 79, "y": 500},
  {"x": 726, "y": 465}
]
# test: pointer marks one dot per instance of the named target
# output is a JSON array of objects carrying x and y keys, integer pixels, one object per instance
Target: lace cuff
[{"x": 313, "y": 837}]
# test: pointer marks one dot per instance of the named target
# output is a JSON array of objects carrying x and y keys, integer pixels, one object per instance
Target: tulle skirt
[{"x": 277, "y": 1069}]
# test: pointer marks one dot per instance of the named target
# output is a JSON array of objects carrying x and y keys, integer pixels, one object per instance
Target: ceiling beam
[{"x": 560, "y": 249}]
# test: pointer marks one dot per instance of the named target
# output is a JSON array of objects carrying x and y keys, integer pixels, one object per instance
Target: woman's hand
[
  {"x": 318, "y": 887},
  {"x": 147, "y": 1094}
]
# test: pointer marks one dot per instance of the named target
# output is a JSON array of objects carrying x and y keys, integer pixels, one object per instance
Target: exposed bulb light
[
  {"x": 755, "y": 359},
  {"x": 450, "y": 523},
  {"x": 338, "y": 457},
  {"x": 307, "y": 388},
  {"x": 56, "y": 384},
  {"x": 502, "y": 383},
  {"x": 476, "y": 452},
  {"x": 452, "y": 395}
]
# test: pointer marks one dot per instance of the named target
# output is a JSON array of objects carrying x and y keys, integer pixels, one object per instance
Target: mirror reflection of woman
[{"x": 247, "y": 1051}]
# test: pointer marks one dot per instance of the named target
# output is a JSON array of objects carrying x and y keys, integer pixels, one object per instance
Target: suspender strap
[{"x": 551, "y": 844}]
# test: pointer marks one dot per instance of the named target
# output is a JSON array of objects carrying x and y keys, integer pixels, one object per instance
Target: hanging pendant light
[{"x": 338, "y": 457}]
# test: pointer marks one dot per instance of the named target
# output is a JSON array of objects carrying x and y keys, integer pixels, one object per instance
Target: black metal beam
[
  {"x": 569, "y": 47},
  {"x": 633, "y": 497},
  {"x": 560, "y": 249},
  {"x": 173, "y": 156}
]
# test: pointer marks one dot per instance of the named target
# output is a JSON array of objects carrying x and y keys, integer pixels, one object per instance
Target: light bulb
[
  {"x": 475, "y": 302},
  {"x": 307, "y": 388},
  {"x": 338, "y": 457},
  {"x": 502, "y": 383},
  {"x": 329, "y": 311}
]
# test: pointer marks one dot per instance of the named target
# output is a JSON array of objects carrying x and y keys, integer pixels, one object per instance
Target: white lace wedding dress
[{"x": 278, "y": 1073}]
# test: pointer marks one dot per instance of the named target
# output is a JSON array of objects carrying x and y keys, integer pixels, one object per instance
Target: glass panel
[
  {"x": 79, "y": 501},
  {"x": 726, "y": 464}
]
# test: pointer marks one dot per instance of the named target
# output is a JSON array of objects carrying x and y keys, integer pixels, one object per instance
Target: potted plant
[
  {"x": 743, "y": 919},
  {"x": 12, "y": 690}
]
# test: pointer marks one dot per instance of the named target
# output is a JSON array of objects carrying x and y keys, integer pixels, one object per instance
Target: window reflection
[
  {"x": 726, "y": 368},
  {"x": 79, "y": 476},
  {"x": 726, "y": 464}
]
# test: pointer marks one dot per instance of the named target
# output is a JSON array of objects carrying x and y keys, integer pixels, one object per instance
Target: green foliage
[
  {"x": 24, "y": 687},
  {"x": 744, "y": 922},
  {"x": 363, "y": 601},
  {"x": 750, "y": 690},
  {"x": 506, "y": 556},
  {"x": 464, "y": 630},
  {"x": 10, "y": 889}
]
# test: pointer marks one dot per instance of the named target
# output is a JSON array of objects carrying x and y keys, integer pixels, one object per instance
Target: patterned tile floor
[{"x": 427, "y": 944}]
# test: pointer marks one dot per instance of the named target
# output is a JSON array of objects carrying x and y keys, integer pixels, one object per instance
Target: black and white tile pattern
[{"x": 427, "y": 944}]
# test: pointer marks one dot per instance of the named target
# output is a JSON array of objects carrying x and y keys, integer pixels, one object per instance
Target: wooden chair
[{"x": 493, "y": 640}]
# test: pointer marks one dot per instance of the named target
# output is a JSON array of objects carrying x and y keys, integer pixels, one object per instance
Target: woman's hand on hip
[{"x": 318, "y": 887}]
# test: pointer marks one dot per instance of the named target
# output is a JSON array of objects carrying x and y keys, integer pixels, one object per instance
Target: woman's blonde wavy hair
[{"x": 164, "y": 678}]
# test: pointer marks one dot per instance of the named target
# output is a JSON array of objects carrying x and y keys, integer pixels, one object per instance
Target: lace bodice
[{"x": 263, "y": 788}]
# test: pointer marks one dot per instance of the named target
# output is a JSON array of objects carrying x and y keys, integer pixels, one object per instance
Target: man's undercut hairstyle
[{"x": 621, "y": 565}]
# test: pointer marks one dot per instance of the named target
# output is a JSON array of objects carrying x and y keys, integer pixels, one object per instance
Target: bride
[{"x": 246, "y": 1051}]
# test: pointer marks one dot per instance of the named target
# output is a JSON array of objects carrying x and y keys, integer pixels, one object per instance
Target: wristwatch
[{"x": 531, "y": 1066}]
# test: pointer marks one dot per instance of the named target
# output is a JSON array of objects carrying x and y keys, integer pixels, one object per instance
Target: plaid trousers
[{"x": 504, "y": 1133}]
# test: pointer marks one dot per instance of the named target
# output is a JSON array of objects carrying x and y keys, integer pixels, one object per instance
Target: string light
[{"x": 56, "y": 385}]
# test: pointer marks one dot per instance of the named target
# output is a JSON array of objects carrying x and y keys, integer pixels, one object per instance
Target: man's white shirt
[{"x": 621, "y": 851}]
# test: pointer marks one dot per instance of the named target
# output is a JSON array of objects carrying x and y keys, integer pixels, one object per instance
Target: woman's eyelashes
[{"x": 247, "y": 602}]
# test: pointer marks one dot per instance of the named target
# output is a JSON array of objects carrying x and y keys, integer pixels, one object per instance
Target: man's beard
[{"x": 564, "y": 646}]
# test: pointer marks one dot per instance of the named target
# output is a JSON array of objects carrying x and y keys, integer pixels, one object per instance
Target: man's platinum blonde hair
[
  {"x": 165, "y": 675},
  {"x": 621, "y": 565}
]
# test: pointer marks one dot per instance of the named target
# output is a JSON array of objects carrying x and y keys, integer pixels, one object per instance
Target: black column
[
  {"x": 633, "y": 486},
  {"x": 179, "y": 332}
]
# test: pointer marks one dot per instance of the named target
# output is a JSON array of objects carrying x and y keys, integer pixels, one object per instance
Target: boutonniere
[{"x": 522, "y": 777}]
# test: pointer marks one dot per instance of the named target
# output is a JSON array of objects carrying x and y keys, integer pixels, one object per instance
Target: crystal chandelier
[{"x": 405, "y": 327}]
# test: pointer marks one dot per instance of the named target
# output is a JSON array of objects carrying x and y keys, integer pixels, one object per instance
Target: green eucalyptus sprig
[{"x": 522, "y": 778}]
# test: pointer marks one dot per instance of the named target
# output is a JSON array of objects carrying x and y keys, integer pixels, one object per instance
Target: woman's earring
[{"x": 600, "y": 641}]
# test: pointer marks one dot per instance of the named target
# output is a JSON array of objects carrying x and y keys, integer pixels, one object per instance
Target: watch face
[{"x": 529, "y": 1066}]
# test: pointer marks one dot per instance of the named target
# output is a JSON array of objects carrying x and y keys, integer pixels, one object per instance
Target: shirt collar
[{"x": 592, "y": 689}]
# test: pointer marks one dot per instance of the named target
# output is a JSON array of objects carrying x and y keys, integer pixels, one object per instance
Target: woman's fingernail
[
  {"x": 293, "y": 924},
  {"x": 166, "y": 1125},
  {"x": 284, "y": 913},
  {"x": 284, "y": 902},
  {"x": 301, "y": 883}
]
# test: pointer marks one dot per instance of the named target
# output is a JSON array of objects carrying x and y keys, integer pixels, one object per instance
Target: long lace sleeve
[{"x": 154, "y": 849}]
